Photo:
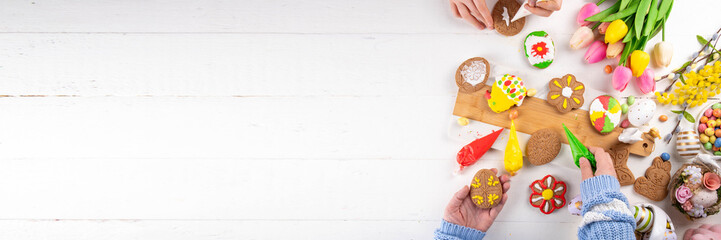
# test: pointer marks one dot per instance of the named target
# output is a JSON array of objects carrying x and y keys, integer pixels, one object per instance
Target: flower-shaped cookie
[
  {"x": 548, "y": 194},
  {"x": 565, "y": 93}
]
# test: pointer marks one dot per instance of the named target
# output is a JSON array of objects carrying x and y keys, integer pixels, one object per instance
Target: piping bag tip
[
  {"x": 522, "y": 12},
  {"x": 578, "y": 150}
]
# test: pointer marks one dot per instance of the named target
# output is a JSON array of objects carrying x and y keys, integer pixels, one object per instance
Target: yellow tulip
[
  {"x": 639, "y": 62},
  {"x": 616, "y": 31}
]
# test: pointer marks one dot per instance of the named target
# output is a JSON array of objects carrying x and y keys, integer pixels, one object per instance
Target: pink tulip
[
  {"x": 587, "y": 10},
  {"x": 596, "y": 52},
  {"x": 621, "y": 77},
  {"x": 645, "y": 82},
  {"x": 581, "y": 38},
  {"x": 602, "y": 28}
]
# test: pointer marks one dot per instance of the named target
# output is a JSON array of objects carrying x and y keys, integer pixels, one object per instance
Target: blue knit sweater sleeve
[
  {"x": 606, "y": 214},
  {"x": 450, "y": 231}
]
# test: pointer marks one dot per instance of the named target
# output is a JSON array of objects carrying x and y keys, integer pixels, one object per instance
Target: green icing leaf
[{"x": 544, "y": 64}]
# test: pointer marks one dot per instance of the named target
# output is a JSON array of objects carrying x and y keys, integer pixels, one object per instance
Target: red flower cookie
[{"x": 548, "y": 194}]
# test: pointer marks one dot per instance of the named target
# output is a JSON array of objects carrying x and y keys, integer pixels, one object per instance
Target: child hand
[
  {"x": 473, "y": 11},
  {"x": 462, "y": 211},
  {"x": 604, "y": 164},
  {"x": 543, "y": 8},
  {"x": 703, "y": 232}
]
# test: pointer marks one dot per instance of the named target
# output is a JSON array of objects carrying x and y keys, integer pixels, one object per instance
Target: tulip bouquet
[{"x": 627, "y": 26}]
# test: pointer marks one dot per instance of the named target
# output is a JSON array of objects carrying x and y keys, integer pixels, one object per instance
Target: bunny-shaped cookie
[{"x": 655, "y": 182}]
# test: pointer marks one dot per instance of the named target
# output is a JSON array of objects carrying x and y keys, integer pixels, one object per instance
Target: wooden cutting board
[{"x": 535, "y": 114}]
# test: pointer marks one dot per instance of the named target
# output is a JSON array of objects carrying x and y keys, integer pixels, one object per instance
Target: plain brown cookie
[
  {"x": 499, "y": 23},
  {"x": 465, "y": 86},
  {"x": 543, "y": 146},
  {"x": 619, "y": 153},
  {"x": 654, "y": 183},
  {"x": 486, "y": 189}
]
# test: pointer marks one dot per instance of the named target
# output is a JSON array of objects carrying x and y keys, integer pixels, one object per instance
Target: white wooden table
[{"x": 262, "y": 119}]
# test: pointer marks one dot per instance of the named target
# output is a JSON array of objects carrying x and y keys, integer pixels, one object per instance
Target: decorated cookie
[
  {"x": 654, "y": 183},
  {"x": 506, "y": 92},
  {"x": 619, "y": 153},
  {"x": 539, "y": 49},
  {"x": 472, "y": 74},
  {"x": 548, "y": 194},
  {"x": 502, "y": 13},
  {"x": 605, "y": 113},
  {"x": 641, "y": 112},
  {"x": 543, "y": 146},
  {"x": 565, "y": 93},
  {"x": 486, "y": 189}
]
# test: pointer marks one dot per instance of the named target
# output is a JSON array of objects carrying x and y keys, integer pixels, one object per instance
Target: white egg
[
  {"x": 641, "y": 112},
  {"x": 688, "y": 144}
]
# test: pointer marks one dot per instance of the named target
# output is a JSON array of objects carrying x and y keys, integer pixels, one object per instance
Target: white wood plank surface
[{"x": 233, "y": 119}]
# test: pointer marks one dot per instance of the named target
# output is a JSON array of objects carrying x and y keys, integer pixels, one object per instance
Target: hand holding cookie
[
  {"x": 474, "y": 12},
  {"x": 544, "y": 8},
  {"x": 604, "y": 164},
  {"x": 462, "y": 211}
]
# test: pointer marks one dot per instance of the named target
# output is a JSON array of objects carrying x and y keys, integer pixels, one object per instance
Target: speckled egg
[
  {"x": 641, "y": 112},
  {"x": 575, "y": 206},
  {"x": 704, "y": 197}
]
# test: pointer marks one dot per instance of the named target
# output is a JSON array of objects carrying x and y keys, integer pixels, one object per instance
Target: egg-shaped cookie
[
  {"x": 605, "y": 113},
  {"x": 539, "y": 49},
  {"x": 486, "y": 189},
  {"x": 543, "y": 146}
]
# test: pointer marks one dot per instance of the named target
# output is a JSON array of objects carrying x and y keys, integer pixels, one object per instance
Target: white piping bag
[{"x": 522, "y": 12}]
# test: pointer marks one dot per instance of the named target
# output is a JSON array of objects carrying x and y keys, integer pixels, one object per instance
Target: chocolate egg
[
  {"x": 688, "y": 144},
  {"x": 641, "y": 112}
]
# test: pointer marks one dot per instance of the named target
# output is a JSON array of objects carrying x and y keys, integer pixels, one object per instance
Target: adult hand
[
  {"x": 704, "y": 232},
  {"x": 462, "y": 211},
  {"x": 604, "y": 164},
  {"x": 474, "y": 12},
  {"x": 543, "y": 8}
]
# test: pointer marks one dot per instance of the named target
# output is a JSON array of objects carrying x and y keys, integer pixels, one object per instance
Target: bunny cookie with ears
[
  {"x": 619, "y": 153},
  {"x": 655, "y": 182}
]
